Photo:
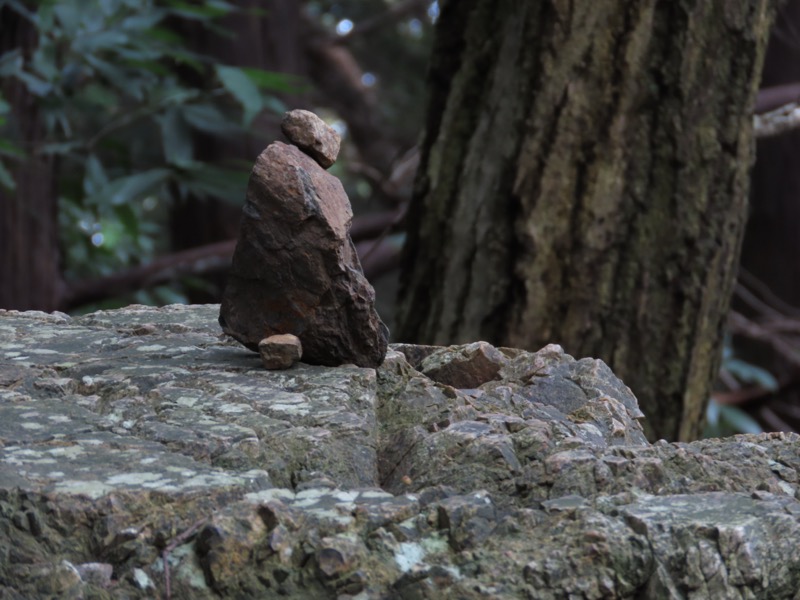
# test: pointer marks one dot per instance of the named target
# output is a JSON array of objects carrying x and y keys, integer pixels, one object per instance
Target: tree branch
[
  {"x": 778, "y": 121},
  {"x": 213, "y": 258},
  {"x": 369, "y": 231}
]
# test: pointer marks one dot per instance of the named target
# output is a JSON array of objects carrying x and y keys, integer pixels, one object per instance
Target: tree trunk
[
  {"x": 30, "y": 276},
  {"x": 584, "y": 182}
]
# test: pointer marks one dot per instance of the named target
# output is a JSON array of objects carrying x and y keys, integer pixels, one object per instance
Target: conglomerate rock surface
[{"x": 143, "y": 454}]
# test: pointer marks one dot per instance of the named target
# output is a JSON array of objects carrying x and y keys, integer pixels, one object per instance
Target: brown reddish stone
[
  {"x": 295, "y": 269},
  {"x": 312, "y": 135},
  {"x": 280, "y": 351}
]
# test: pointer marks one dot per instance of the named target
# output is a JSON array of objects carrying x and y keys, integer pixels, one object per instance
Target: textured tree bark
[
  {"x": 584, "y": 181},
  {"x": 30, "y": 276}
]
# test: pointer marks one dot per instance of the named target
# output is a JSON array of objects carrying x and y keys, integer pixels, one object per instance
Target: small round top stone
[{"x": 312, "y": 135}]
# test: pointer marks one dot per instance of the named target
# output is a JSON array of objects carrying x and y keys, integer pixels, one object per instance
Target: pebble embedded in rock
[
  {"x": 464, "y": 367},
  {"x": 280, "y": 351},
  {"x": 312, "y": 135},
  {"x": 95, "y": 573}
]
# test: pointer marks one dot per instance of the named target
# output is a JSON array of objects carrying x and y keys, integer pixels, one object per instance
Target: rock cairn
[{"x": 295, "y": 269}]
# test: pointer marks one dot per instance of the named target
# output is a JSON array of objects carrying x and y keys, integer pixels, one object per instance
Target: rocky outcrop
[
  {"x": 295, "y": 269},
  {"x": 144, "y": 454}
]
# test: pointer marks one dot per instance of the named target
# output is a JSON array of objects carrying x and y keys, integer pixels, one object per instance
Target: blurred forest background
[{"x": 128, "y": 129}]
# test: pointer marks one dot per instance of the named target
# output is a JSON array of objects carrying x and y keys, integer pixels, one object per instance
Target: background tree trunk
[
  {"x": 30, "y": 276},
  {"x": 583, "y": 181}
]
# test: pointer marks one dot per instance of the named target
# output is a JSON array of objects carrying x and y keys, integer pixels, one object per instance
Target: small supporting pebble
[{"x": 280, "y": 351}]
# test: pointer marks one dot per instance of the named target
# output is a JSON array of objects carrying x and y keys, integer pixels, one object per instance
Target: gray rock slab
[{"x": 145, "y": 444}]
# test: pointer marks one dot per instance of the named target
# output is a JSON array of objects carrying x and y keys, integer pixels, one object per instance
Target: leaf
[
  {"x": 205, "y": 11},
  {"x": 275, "y": 105},
  {"x": 62, "y": 148},
  {"x": 94, "y": 177},
  {"x": 132, "y": 187},
  {"x": 748, "y": 373},
  {"x": 153, "y": 66},
  {"x": 168, "y": 295},
  {"x": 43, "y": 62},
  {"x": 739, "y": 420},
  {"x": 102, "y": 40},
  {"x": 270, "y": 80},
  {"x": 9, "y": 149},
  {"x": 11, "y": 62},
  {"x": 161, "y": 34},
  {"x": 117, "y": 77},
  {"x": 210, "y": 119},
  {"x": 176, "y": 137},
  {"x": 142, "y": 23},
  {"x": 241, "y": 87},
  {"x": 129, "y": 220},
  {"x": 20, "y": 8},
  {"x": 206, "y": 180},
  {"x": 69, "y": 16},
  {"x": 6, "y": 179},
  {"x": 36, "y": 86}
]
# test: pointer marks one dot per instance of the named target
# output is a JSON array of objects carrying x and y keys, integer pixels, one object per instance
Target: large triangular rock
[{"x": 295, "y": 269}]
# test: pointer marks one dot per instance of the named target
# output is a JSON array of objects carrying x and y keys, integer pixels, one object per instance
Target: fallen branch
[
  {"x": 740, "y": 325},
  {"x": 778, "y": 121},
  {"x": 213, "y": 258},
  {"x": 369, "y": 230},
  {"x": 181, "y": 538}
]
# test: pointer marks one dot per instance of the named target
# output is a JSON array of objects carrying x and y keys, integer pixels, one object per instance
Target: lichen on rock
[{"x": 142, "y": 440}]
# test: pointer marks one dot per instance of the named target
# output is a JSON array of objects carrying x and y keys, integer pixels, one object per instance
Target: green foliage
[
  {"x": 116, "y": 87},
  {"x": 722, "y": 419}
]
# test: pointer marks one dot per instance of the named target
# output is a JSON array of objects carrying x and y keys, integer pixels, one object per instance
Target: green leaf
[
  {"x": 11, "y": 62},
  {"x": 739, "y": 420},
  {"x": 152, "y": 66},
  {"x": 241, "y": 87},
  {"x": 9, "y": 149},
  {"x": 275, "y": 105},
  {"x": 129, "y": 220},
  {"x": 168, "y": 295},
  {"x": 205, "y": 11},
  {"x": 161, "y": 34},
  {"x": 145, "y": 22},
  {"x": 20, "y": 8},
  {"x": 6, "y": 179},
  {"x": 94, "y": 178},
  {"x": 206, "y": 180},
  {"x": 176, "y": 137},
  {"x": 130, "y": 188},
  {"x": 43, "y": 62},
  {"x": 712, "y": 414},
  {"x": 210, "y": 119},
  {"x": 102, "y": 40},
  {"x": 748, "y": 373},
  {"x": 62, "y": 148},
  {"x": 119, "y": 78},
  {"x": 270, "y": 80},
  {"x": 36, "y": 86},
  {"x": 69, "y": 16}
]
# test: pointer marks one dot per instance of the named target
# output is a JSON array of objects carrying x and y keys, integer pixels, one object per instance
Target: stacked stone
[{"x": 295, "y": 270}]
